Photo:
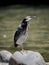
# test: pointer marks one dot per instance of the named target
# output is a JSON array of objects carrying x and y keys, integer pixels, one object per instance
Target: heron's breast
[{"x": 22, "y": 39}]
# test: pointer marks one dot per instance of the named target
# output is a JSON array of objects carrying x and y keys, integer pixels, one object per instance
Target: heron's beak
[
  {"x": 28, "y": 18},
  {"x": 32, "y": 17}
]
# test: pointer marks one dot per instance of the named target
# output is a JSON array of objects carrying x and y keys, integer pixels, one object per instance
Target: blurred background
[{"x": 12, "y": 14}]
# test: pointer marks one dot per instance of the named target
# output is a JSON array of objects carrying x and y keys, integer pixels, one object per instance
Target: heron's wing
[{"x": 18, "y": 33}]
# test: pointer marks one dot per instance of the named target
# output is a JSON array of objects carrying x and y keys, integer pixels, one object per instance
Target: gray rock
[
  {"x": 26, "y": 58},
  {"x": 5, "y": 56}
]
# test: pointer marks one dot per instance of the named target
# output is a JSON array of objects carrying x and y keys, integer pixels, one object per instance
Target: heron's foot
[{"x": 24, "y": 51}]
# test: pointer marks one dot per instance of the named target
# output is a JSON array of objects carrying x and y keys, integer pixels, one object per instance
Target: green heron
[{"x": 21, "y": 33}]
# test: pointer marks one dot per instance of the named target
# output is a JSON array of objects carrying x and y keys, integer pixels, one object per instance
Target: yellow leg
[{"x": 21, "y": 46}]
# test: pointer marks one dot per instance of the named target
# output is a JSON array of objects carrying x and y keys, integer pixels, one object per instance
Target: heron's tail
[{"x": 15, "y": 44}]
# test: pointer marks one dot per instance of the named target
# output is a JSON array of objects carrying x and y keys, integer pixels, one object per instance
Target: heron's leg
[{"x": 21, "y": 46}]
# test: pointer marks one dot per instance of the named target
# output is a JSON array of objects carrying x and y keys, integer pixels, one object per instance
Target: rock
[
  {"x": 26, "y": 58},
  {"x": 5, "y": 56}
]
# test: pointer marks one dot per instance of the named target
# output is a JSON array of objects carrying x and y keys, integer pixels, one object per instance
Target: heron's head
[{"x": 28, "y": 18}]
